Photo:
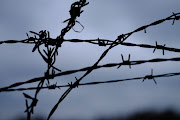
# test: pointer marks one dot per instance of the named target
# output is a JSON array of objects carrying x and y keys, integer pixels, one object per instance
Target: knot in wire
[
  {"x": 121, "y": 38},
  {"x": 76, "y": 8}
]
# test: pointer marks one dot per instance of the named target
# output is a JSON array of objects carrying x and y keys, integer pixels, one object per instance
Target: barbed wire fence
[{"x": 52, "y": 45}]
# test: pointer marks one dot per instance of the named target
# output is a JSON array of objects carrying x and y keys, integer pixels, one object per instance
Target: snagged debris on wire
[{"x": 80, "y": 25}]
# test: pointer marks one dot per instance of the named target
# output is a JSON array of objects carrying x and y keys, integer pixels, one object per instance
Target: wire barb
[
  {"x": 150, "y": 77},
  {"x": 175, "y": 18},
  {"x": 159, "y": 47},
  {"x": 75, "y": 84},
  {"x": 53, "y": 86},
  {"x": 102, "y": 42},
  {"x": 125, "y": 62}
]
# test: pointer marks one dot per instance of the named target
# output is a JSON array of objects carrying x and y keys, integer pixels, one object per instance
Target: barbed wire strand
[
  {"x": 120, "y": 39},
  {"x": 95, "y": 42},
  {"x": 95, "y": 83},
  {"x": 51, "y": 54},
  {"x": 175, "y": 16},
  {"x": 137, "y": 62}
]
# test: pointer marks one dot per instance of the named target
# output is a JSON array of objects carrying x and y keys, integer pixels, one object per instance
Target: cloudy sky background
[{"x": 104, "y": 19}]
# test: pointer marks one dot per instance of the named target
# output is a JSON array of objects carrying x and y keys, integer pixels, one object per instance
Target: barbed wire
[
  {"x": 49, "y": 56},
  {"x": 137, "y": 62},
  {"x": 121, "y": 38},
  {"x": 54, "y": 86},
  {"x": 106, "y": 43}
]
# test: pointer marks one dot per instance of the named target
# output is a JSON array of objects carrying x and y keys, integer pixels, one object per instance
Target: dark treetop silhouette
[{"x": 52, "y": 46}]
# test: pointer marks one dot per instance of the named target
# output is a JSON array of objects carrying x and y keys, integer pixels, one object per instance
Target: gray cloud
[{"x": 103, "y": 19}]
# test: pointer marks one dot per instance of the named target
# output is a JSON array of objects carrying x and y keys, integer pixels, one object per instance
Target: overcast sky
[{"x": 104, "y": 19}]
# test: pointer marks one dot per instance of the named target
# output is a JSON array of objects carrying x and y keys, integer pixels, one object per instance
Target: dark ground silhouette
[{"x": 147, "y": 115}]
